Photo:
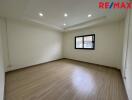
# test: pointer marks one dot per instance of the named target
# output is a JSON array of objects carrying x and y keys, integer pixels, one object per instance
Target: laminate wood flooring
[{"x": 65, "y": 80}]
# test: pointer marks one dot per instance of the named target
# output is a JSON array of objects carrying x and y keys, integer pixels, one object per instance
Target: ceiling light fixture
[
  {"x": 41, "y": 14},
  {"x": 89, "y": 15},
  {"x": 65, "y": 14},
  {"x": 64, "y": 24}
]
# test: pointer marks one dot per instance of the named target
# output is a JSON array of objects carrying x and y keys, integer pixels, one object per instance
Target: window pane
[
  {"x": 88, "y": 42},
  {"x": 88, "y": 38},
  {"x": 79, "y": 42}
]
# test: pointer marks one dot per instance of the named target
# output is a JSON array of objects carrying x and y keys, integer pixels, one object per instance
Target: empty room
[{"x": 65, "y": 50}]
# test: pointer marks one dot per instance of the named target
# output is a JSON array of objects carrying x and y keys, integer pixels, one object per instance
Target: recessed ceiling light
[
  {"x": 89, "y": 15},
  {"x": 64, "y": 24},
  {"x": 65, "y": 14},
  {"x": 41, "y": 14}
]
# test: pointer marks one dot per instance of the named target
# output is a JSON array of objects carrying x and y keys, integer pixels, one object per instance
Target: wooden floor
[{"x": 65, "y": 80}]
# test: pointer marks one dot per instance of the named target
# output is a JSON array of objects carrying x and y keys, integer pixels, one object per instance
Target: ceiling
[{"x": 54, "y": 10}]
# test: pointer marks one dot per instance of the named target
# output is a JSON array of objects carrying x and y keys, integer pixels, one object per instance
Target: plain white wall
[
  {"x": 2, "y": 74},
  {"x": 108, "y": 46},
  {"x": 127, "y": 52},
  {"x": 125, "y": 44},
  {"x": 5, "y": 43},
  {"x": 31, "y": 44}
]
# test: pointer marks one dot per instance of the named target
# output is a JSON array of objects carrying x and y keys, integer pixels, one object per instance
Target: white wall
[
  {"x": 31, "y": 44},
  {"x": 127, "y": 52},
  {"x": 2, "y": 75},
  {"x": 5, "y": 44},
  {"x": 108, "y": 46},
  {"x": 125, "y": 44}
]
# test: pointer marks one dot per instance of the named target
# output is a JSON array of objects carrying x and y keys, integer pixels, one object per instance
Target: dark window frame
[{"x": 93, "y": 41}]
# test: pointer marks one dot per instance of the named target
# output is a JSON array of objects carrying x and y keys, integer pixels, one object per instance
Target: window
[{"x": 85, "y": 42}]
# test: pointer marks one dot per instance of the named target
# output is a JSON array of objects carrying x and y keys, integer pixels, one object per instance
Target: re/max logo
[{"x": 115, "y": 5}]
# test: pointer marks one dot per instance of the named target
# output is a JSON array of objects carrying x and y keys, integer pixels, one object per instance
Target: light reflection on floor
[{"x": 82, "y": 81}]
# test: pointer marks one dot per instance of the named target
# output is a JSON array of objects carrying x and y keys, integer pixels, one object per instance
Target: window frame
[{"x": 93, "y": 41}]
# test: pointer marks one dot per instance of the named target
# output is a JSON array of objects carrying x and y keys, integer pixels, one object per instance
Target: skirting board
[
  {"x": 13, "y": 69},
  {"x": 93, "y": 63},
  {"x": 10, "y": 68}
]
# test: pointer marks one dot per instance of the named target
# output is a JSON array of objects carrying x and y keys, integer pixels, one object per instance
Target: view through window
[{"x": 85, "y": 42}]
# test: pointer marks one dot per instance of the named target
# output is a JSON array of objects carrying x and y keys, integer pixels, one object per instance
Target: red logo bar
[{"x": 115, "y": 5}]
